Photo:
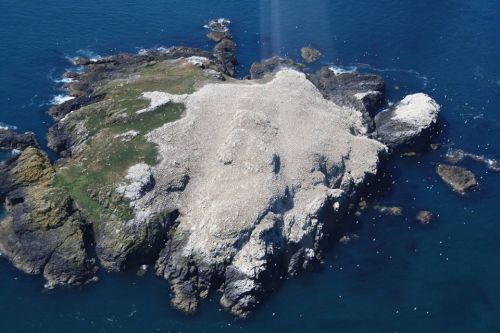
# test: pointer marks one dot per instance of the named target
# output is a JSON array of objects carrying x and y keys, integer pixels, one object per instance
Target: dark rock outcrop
[
  {"x": 124, "y": 246},
  {"x": 460, "y": 179},
  {"x": 43, "y": 232},
  {"x": 218, "y": 36},
  {"x": 409, "y": 125},
  {"x": 12, "y": 140},
  {"x": 391, "y": 211},
  {"x": 225, "y": 50},
  {"x": 364, "y": 92},
  {"x": 218, "y": 25},
  {"x": 58, "y": 112}
]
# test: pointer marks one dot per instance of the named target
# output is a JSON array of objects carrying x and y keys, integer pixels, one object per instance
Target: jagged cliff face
[{"x": 220, "y": 183}]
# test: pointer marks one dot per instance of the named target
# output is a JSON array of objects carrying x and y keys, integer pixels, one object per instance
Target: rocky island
[{"x": 223, "y": 184}]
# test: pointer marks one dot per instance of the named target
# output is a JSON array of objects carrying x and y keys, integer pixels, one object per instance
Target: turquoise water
[{"x": 399, "y": 276}]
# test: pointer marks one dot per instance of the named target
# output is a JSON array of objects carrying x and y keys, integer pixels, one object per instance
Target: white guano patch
[
  {"x": 198, "y": 61},
  {"x": 138, "y": 181},
  {"x": 417, "y": 109},
  {"x": 158, "y": 98}
]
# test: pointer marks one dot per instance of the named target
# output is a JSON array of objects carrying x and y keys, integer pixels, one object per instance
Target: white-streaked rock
[{"x": 409, "y": 123}]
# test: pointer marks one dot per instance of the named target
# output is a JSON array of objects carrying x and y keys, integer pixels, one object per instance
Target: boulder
[{"x": 410, "y": 124}]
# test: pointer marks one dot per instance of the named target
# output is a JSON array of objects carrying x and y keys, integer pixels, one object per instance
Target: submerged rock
[
  {"x": 347, "y": 238},
  {"x": 460, "y": 179},
  {"x": 393, "y": 211},
  {"x": 424, "y": 217},
  {"x": 435, "y": 146},
  {"x": 458, "y": 155},
  {"x": 409, "y": 124},
  {"x": 218, "y": 36},
  {"x": 309, "y": 54}
]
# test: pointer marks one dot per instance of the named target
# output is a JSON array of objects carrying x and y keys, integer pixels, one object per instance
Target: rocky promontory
[
  {"x": 10, "y": 140},
  {"x": 221, "y": 183}
]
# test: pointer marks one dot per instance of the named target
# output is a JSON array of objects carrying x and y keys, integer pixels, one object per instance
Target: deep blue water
[{"x": 399, "y": 276}]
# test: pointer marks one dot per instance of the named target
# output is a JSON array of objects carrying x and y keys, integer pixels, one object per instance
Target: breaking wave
[
  {"x": 160, "y": 49},
  {"x": 92, "y": 56},
  {"x": 353, "y": 68},
  {"x": 7, "y": 126},
  {"x": 219, "y": 25},
  {"x": 413, "y": 72},
  {"x": 342, "y": 69},
  {"x": 59, "y": 99}
]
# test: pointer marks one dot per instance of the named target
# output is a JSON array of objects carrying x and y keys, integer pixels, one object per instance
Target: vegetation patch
[{"x": 92, "y": 175}]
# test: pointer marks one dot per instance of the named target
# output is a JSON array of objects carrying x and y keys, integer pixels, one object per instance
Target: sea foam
[
  {"x": 92, "y": 56},
  {"x": 64, "y": 80},
  {"x": 7, "y": 126},
  {"x": 59, "y": 99},
  {"x": 341, "y": 69},
  {"x": 220, "y": 25}
]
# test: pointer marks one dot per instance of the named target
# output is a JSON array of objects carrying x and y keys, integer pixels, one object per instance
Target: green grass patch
[{"x": 92, "y": 177}]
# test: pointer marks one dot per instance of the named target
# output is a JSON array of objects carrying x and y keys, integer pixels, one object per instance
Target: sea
[{"x": 399, "y": 275}]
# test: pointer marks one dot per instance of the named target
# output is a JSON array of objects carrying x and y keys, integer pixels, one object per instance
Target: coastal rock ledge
[{"x": 220, "y": 183}]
